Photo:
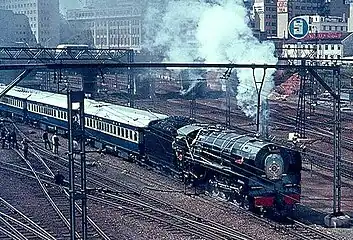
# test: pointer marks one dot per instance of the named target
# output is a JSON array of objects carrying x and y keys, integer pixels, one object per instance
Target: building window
[
  {"x": 339, "y": 47},
  {"x": 332, "y": 47},
  {"x": 326, "y": 47}
]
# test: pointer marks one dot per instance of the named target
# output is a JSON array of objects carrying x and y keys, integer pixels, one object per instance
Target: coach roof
[{"x": 125, "y": 115}]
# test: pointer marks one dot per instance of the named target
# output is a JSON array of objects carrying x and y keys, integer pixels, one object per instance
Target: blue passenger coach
[{"x": 119, "y": 129}]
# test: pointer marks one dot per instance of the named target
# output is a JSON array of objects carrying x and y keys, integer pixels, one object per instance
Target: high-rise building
[
  {"x": 43, "y": 15},
  {"x": 266, "y": 12},
  {"x": 350, "y": 18},
  {"x": 15, "y": 30},
  {"x": 115, "y": 27}
]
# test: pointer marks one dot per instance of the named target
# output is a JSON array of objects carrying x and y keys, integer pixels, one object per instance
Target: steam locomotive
[
  {"x": 245, "y": 169},
  {"x": 255, "y": 173}
]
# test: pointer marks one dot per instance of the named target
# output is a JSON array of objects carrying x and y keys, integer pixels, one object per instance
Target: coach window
[
  {"x": 99, "y": 125},
  {"x": 110, "y": 128},
  {"x": 126, "y": 133},
  {"x": 114, "y": 129},
  {"x": 135, "y": 136},
  {"x": 130, "y": 134},
  {"x": 122, "y": 132},
  {"x": 118, "y": 131}
]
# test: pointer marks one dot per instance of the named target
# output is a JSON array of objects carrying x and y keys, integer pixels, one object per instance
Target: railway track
[
  {"x": 56, "y": 196},
  {"x": 300, "y": 231},
  {"x": 132, "y": 201},
  {"x": 19, "y": 226}
]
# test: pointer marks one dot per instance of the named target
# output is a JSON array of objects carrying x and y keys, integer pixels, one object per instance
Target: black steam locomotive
[{"x": 255, "y": 173}]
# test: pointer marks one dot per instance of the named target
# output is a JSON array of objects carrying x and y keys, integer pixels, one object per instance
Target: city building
[
  {"x": 350, "y": 18},
  {"x": 265, "y": 12},
  {"x": 274, "y": 15},
  {"x": 339, "y": 8},
  {"x": 43, "y": 15},
  {"x": 327, "y": 46},
  {"x": 321, "y": 24},
  {"x": 15, "y": 30},
  {"x": 116, "y": 27}
]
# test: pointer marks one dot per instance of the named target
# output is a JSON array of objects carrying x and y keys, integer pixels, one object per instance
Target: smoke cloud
[{"x": 214, "y": 31}]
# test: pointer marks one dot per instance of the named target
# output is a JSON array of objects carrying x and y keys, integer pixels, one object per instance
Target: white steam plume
[{"x": 216, "y": 31}]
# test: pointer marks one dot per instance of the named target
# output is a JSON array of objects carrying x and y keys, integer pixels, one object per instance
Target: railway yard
[{"x": 132, "y": 201}]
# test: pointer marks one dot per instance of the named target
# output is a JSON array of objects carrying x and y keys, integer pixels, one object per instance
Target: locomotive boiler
[{"x": 248, "y": 170}]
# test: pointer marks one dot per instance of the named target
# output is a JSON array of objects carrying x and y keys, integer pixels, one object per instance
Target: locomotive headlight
[{"x": 274, "y": 166}]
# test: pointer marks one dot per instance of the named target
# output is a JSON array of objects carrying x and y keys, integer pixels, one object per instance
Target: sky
[{"x": 68, "y": 4}]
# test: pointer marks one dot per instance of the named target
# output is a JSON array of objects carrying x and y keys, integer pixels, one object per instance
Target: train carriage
[{"x": 117, "y": 128}]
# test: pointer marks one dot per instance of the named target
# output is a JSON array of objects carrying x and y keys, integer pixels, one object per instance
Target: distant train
[{"x": 253, "y": 172}]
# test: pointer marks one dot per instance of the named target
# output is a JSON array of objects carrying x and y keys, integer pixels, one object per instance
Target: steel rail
[
  {"x": 9, "y": 234},
  {"x": 37, "y": 230},
  {"x": 45, "y": 191},
  {"x": 17, "y": 233},
  {"x": 199, "y": 228},
  {"x": 90, "y": 221}
]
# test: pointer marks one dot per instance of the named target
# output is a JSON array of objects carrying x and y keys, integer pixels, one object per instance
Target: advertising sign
[{"x": 298, "y": 28}]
